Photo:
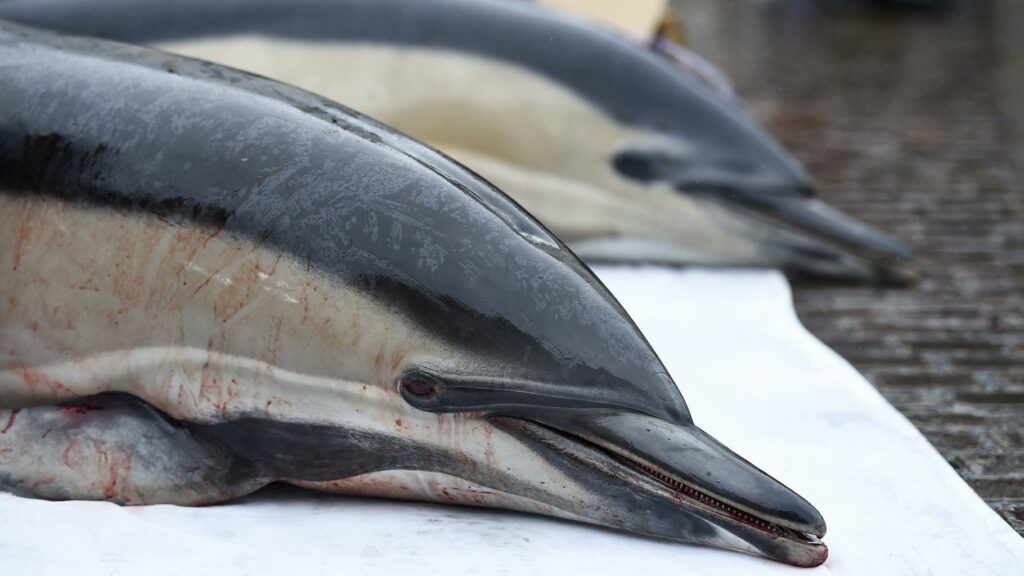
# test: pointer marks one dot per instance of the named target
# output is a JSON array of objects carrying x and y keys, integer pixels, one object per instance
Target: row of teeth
[
  {"x": 693, "y": 493},
  {"x": 698, "y": 495}
]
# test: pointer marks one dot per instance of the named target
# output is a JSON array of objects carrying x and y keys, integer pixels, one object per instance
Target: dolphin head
[
  {"x": 533, "y": 386},
  {"x": 723, "y": 164},
  {"x": 617, "y": 467},
  {"x": 602, "y": 440},
  {"x": 710, "y": 140}
]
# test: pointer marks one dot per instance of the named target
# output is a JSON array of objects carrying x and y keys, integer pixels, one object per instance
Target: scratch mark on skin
[
  {"x": 10, "y": 420},
  {"x": 396, "y": 360},
  {"x": 34, "y": 379},
  {"x": 21, "y": 243},
  {"x": 66, "y": 456},
  {"x": 216, "y": 232},
  {"x": 273, "y": 269},
  {"x": 42, "y": 482},
  {"x": 206, "y": 282},
  {"x": 191, "y": 255},
  {"x": 305, "y": 302},
  {"x": 105, "y": 460},
  {"x": 119, "y": 466}
]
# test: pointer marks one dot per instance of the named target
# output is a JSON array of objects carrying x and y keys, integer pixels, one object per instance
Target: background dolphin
[
  {"x": 626, "y": 154},
  {"x": 212, "y": 281}
]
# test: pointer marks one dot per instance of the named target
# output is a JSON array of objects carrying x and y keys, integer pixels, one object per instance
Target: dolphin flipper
[{"x": 117, "y": 448}]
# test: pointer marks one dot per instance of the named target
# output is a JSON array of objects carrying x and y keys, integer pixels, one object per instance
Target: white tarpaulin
[{"x": 753, "y": 377}]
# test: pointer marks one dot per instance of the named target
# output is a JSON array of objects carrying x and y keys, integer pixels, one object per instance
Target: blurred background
[{"x": 910, "y": 115}]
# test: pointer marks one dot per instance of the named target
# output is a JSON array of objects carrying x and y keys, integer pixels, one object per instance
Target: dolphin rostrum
[
  {"x": 619, "y": 149},
  {"x": 212, "y": 281}
]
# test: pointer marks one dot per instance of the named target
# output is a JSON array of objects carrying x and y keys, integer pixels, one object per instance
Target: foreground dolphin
[
  {"x": 212, "y": 281},
  {"x": 623, "y": 152}
]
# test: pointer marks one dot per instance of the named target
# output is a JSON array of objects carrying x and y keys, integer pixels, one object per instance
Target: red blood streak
[
  {"x": 10, "y": 420},
  {"x": 66, "y": 456},
  {"x": 78, "y": 408}
]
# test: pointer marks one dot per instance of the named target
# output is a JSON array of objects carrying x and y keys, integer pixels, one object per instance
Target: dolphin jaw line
[
  {"x": 681, "y": 491},
  {"x": 714, "y": 505}
]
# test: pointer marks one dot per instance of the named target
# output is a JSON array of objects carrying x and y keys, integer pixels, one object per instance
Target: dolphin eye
[
  {"x": 635, "y": 165},
  {"x": 418, "y": 387}
]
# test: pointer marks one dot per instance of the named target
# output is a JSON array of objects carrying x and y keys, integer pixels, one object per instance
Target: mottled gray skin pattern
[
  {"x": 714, "y": 150},
  {"x": 100, "y": 127}
]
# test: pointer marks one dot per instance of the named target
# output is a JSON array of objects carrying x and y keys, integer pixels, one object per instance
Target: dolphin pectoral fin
[{"x": 116, "y": 448}]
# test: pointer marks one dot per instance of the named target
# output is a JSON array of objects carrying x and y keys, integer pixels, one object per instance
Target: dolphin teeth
[{"x": 693, "y": 493}]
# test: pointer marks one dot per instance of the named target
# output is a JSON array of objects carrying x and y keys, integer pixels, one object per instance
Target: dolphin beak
[
  {"x": 809, "y": 239},
  {"x": 685, "y": 472}
]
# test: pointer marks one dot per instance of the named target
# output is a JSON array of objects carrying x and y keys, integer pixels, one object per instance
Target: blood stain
[{"x": 10, "y": 420}]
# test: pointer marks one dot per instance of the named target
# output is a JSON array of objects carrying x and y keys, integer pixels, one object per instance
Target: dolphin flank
[
  {"x": 621, "y": 149},
  {"x": 212, "y": 281}
]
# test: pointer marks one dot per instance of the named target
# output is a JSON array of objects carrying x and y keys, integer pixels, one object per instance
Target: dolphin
[
  {"x": 212, "y": 281},
  {"x": 630, "y": 153}
]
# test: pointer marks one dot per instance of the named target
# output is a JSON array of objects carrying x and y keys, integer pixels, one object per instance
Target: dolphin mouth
[
  {"x": 792, "y": 542},
  {"x": 717, "y": 506}
]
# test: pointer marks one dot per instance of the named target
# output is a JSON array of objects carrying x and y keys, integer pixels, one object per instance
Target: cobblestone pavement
[{"x": 909, "y": 120}]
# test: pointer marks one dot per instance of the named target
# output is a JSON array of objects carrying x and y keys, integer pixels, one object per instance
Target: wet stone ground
[{"x": 912, "y": 120}]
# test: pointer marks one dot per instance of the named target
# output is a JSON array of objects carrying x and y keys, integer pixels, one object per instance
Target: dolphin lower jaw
[{"x": 721, "y": 523}]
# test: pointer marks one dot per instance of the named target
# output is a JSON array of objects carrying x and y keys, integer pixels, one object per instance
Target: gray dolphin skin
[
  {"x": 625, "y": 153},
  {"x": 212, "y": 281}
]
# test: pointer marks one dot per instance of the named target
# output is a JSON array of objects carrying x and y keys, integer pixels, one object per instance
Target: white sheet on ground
[{"x": 753, "y": 377}]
